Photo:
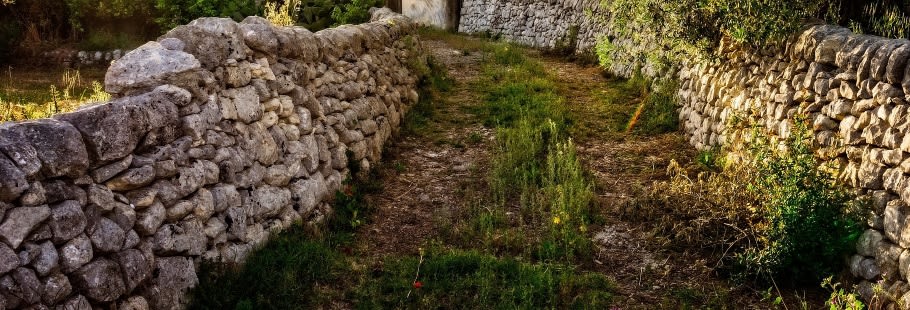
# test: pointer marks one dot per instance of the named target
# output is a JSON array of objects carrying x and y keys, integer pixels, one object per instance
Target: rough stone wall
[
  {"x": 219, "y": 134},
  {"x": 575, "y": 25},
  {"x": 852, "y": 88}
]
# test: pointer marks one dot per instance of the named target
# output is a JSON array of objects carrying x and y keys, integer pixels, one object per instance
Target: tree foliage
[
  {"x": 172, "y": 13},
  {"x": 690, "y": 29}
]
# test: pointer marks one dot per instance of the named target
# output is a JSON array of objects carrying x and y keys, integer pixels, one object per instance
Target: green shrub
[
  {"x": 770, "y": 216},
  {"x": 354, "y": 12},
  {"x": 173, "y": 13},
  {"x": 103, "y": 40},
  {"x": 808, "y": 224}
]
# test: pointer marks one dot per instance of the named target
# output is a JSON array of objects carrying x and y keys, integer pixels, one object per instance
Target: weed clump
[{"x": 775, "y": 217}]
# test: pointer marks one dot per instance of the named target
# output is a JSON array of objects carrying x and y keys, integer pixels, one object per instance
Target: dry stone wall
[
  {"x": 852, "y": 88},
  {"x": 219, "y": 134}
]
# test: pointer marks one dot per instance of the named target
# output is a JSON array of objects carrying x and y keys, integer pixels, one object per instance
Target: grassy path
[{"x": 512, "y": 187}]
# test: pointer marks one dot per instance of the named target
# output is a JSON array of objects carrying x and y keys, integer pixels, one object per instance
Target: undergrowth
[
  {"x": 774, "y": 218},
  {"x": 24, "y": 102},
  {"x": 534, "y": 173},
  {"x": 474, "y": 280}
]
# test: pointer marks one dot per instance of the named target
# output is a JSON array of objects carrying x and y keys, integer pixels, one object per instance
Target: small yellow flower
[
  {"x": 582, "y": 228},
  {"x": 556, "y": 220}
]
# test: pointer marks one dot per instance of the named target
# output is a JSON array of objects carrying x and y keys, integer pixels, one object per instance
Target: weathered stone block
[{"x": 20, "y": 222}]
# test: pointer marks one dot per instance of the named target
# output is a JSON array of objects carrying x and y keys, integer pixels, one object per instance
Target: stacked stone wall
[
  {"x": 219, "y": 134},
  {"x": 852, "y": 88}
]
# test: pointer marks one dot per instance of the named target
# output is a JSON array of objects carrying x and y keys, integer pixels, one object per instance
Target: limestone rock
[
  {"x": 77, "y": 302},
  {"x": 57, "y": 144},
  {"x": 12, "y": 180},
  {"x": 134, "y": 303},
  {"x": 172, "y": 276},
  {"x": 19, "y": 151},
  {"x": 55, "y": 288},
  {"x": 76, "y": 253},
  {"x": 8, "y": 259},
  {"x": 149, "y": 220},
  {"x": 106, "y": 172},
  {"x": 186, "y": 237},
  {"x": 267, "y": 201},
  {"x": 132, "y": 179},
  {"x": 136, "y": 267},
  {"x": 100, "y": 280},
  {"x": 211, "y": 40},
  {"x": 148, "y": 66},
  {"x": 106, "y": 235},
  {"x": 27, "y": 285},
  {"x": 47, "y": 259},
  {"x": 20, "y": 222},
  {"x": 67, "y": 221},
  {"x": 868, "y": 242},
  {"x": 224, "y": 197}
]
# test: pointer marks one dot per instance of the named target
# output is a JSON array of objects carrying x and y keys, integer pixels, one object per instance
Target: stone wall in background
[
  {"x": 70, "y": 58},
  {"x": 219, "y": 134},
  {"x": 852, "y": 88}
]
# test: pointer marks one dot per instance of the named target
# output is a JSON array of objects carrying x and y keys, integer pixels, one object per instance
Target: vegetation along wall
[
  {"x": 851, "y": 87},
  {"x": 219, "y": 134}
]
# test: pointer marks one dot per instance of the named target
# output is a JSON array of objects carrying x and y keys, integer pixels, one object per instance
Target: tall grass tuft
[
  {"x": 534, "y": 167},
  {"x": 282, "y": 14},
  {"x": 59, "y": 100}
]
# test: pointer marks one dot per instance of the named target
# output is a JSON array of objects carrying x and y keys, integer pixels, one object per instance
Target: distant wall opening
[{"x": 438, "y": 13}]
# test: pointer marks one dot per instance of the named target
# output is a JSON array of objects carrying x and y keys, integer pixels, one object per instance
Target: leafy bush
[
  {"x": 689, "y": 29},
  {"x": 354, "y": 12},
  {"x": 173, "y": 13},
  {"x": 88, "y": 12},
  {"x": 316, "y": 15},
  {"x": 807, "y": 225},
  {"x": 776, "y": 216}
]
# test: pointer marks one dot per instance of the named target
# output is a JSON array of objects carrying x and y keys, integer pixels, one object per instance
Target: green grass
[
  {"x": 627, "y": 107},
  {"x": 473, "y": 280},
  {"x": 489, "y": 261},
  {"x": 283, "y": 275},
  {"x": 534, "y": 168},
  {"x": 42, "y": 92}
]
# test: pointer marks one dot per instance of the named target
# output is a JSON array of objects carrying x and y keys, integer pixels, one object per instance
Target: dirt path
[
  {"x": 428, "y": 175},
  {"x": 427, "y": 169}
]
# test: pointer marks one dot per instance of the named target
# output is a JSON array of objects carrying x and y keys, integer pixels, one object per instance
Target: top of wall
[{"x": 219, "y": 134}]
